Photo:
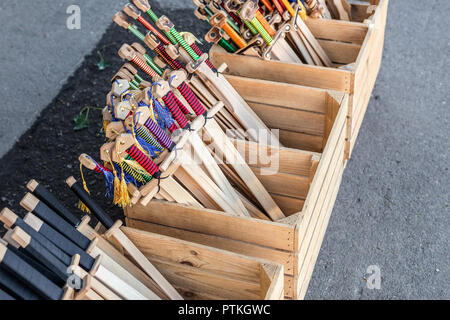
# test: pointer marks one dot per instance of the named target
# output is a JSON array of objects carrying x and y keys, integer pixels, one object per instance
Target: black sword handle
[
  {"x": 5, "y": 296},
  {"x": 26, "y": 273},
  {"x": 56, "y": 243},
  {"x": 64, "y": 244},
  {"x": 39, "y": 253},
  {"x": 35, "y": 264},
  {"x": 95, "y": 208},
  {"x": 51, "y": 201},
  {"x": 55, "y": 250},
  {"x": 17, "y": 288},
  {"x": 31, "y": 226},
  {"x": 40, "y": 209}
]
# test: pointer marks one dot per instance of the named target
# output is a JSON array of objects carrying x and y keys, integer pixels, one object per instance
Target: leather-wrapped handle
[
  {"x": 40, "y": 253},
  {"x": 67, "y": 246},
  {"x": 29, "y": 275},
  {"x": 17, "y": 288},
  {"x": 40, "y": 209},
  {"x": 93, "y": 206},
  {"x": 35, "y": 264},
  {"x": 50, "y": 200},
  {"x": 57, "y": 252}
]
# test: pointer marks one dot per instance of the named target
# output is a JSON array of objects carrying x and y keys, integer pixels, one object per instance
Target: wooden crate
[
  {"x": 345, "y": 43},
  {"x": 305, "y": 186},
  {"x": 199, "y": 272}
]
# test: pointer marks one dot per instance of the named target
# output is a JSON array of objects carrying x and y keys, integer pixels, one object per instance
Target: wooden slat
[
  {"x": 291, "y": 161},
  {"x": 340, "y": 52},
  {"x": 329, "y": 183},
  {"x": 301, "y": 141},
  {"x": 156, "y": 246},
  {"x": 337, "y": 30},
  {"x": 269, "y": 234},
  {"x": 284, "y": 184},
  {"x": 198, "y": 280},
  {"x": 312, "y": 76},
  {"x": 279, "y": 94},
  {"x": 289, "y": 119},
  {"x": 282, "y": 257},
  {"x": 305, "y": 277}
]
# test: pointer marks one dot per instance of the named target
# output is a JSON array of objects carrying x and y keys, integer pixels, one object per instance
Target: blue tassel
[
  {"x": 109, "y": 181},
  {"x": 164, "y": 117},
  {"x": 151, "y": 149},
  {"x": 128, "y": 179}
]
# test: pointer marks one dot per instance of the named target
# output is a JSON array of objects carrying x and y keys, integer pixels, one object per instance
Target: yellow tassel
[
  {"x": 81, "y": 205},
  {"x": 125, "y": 197},
  {"x": 105, "y": 125},
  {"x": 116, "y": 190}
]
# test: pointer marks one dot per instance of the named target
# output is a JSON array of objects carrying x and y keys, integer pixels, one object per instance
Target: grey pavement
[{"x": 393, "y": 207}]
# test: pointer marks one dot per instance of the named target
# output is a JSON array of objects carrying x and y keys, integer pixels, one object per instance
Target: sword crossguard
[
  {"x": 143, "y": 5},
  {"x": 131, "y": 11},
  {"x": 164, "y": 23},
  {"x": 121, "y": 20}
]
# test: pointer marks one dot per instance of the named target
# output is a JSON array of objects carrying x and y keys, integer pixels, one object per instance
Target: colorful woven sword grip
[
  {"x": 184, "y": 44},
  {"x": 265, "y": 23},
  {"x": 158, "y": 34},
  {"x": 144, "y": 161},
  {"x": 144, "y": 67},
  {"x": 155, "y": 18},
  {"x": 190, "y": 97},
  {"x": 173, "y": 63},
  {"x": 171, "y": 102},
  {"x": 159, "y": 134},
  {"x": 241, "y": 43},
  {"x": 199, "y": 52}
]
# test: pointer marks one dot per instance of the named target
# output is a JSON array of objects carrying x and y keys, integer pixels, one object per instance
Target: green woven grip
[
  {"x": 262, "y": 31},
  {"x": 250, "y": 27},
  {"x": 138, "y": 78},
  {"x": 224, "y": 44},
  {"x": 184, "y": 44},
  {"x": 134, "y": 85},
  {"x": 139, "y": 177},
  {"x": 155, "y": 18},
  {"x": 153, "y": 65},
  {"x": 136, "y": 32}
]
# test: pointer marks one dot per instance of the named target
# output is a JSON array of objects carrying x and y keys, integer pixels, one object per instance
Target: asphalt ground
[{"x": 392, "y": 211}]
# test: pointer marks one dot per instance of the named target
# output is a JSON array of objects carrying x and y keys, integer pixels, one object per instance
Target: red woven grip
[
  {"x": 144, "y": 67},
  {"x": 232, "y": 14},
  {"x": 147, "y": 24},
  {"x": 181, "y": 105},
  {"x": 279, "y": 5},
  {"x": 173, "y": 63},
  {"x": 169, "y": 100},
  {"x": 191, "y": 98},
  {"x": 173, "y": 128},
  {"x": 144, "y": 161},
  {"x": 199, "y": 53}
]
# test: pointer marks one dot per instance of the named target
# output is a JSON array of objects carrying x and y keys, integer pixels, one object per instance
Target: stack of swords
[
  {"x": 271, "y": 30},
  {"x": 168, "y": 120},
  {"x": 51, "y": 254}
]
